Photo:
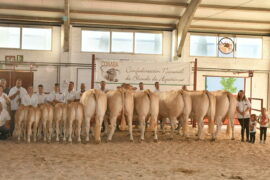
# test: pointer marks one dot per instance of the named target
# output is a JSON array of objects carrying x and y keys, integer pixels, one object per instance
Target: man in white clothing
[
  {"x": 4, "y": 98},
  {"x": 103, "y": 86},
  {"x": 30, "y": 99},
  {"x": 56, "y": 95},
  {"x": 70, "y": 94},
  {"x": 4, "y": 118},
  {"x": 81, "y": 91},
  {"x": 141, "y": 86},
  {"x": 15, "y": 95},
  {"x": 156, "y": 87},
  {"x": 41, "y": 95}
]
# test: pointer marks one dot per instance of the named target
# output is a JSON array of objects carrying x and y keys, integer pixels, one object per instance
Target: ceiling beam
[
  {"x": 66, "y": 20},
  {"x": 29, "y": 18},
  {"x": 240, "y": 8},
  {"x": 230, "y": 20},
  {"x": 151, "y": 2},
  {"x": 29, "y": 8},
  {"x": 184, "y": 24}
]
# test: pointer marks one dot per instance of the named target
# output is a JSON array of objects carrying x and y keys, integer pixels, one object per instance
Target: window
[
  {"x": 95, "y": 41},
  {"x": 36, "y": 38},
  {"x": 9, "y": 37},
  {"x": 249, "y": 47},
  {"x": 122, "y": 42},
  {"x": 148, "y": 43},
  {"x": 203, "y": 45}
]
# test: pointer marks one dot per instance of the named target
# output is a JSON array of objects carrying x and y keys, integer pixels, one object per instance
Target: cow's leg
[
  {"x": 162, "y": 124},
  {"x": 35, "y": 131},
  {"x": 57, "y": 124},
  {"x": 231, "y": 119},
  {"x": 50, "y": 129},
  {"x": 219, "y": 124},
  {"x": 173, "y": 125},
  {"x": 98, "y": 123},
  {"x": 24, "y": 131},
  {"x": 200, "y": 128},
  {"x": 79, "y": 130},
  {"x": 44, "y": 126},
  {"x": 142, "y": 126},
  {"x": 18, "y": 131},
  {"x": 184, "y": 121},
  {"x": 29, "y": 131},
  {"x": 87, "y": 127},
  {"x": 70, "y": 123},
  {"x": 155, "y": 128},
  {"x": 130, "y": 127},
  {"x": 113, "y": 126},
  {"x": 64, "y": 130}
]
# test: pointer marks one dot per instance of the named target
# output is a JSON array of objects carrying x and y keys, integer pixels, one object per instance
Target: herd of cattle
[{"x": 71, "y": 120}]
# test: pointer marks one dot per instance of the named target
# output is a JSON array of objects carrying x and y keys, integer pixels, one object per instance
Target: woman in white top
[
  {"x": 4, "y": 99},
  {"x": 264, "y": 121},
  {"x": 242, "y": 108},
  {"x": 30, "y": 99}
]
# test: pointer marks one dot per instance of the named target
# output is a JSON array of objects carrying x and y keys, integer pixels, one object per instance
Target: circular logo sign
[{"x": 226, "y": 45}]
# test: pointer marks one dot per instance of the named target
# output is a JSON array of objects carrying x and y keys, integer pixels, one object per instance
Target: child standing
[
  {"x": 252, "y": 128},
  {"x": 263, "y": 120}
]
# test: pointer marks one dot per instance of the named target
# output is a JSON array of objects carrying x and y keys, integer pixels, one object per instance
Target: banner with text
[{"x": 117, "y": 71}]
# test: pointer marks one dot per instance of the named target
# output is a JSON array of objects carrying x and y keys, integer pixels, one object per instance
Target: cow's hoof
[
  {"x": 156, "y": 140},
  {"x": 233, "y": 138},
  {"x": 131, "y": 140},
  {"x": 213, "y": 139},
  {"x": 141, "y": 140},
  {"x": 97, "y": 141},
  {"x": 108, "y": 141}
]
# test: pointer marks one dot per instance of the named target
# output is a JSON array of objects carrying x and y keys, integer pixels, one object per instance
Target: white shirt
[
  {"x": 264, "y": 122},
  {"x": 252, "y": 123},
  {"x": 4, "y": 116},
  {"x": 41, "y": 98},
  {"x": 15, "y": 102},
  {"x": 243, "y": 106},
  {"x": 70, "y": 96},
  {"x": 156, "y": 90},
  {"x": 30, "y": 101},
  {"x": 55, "y": 96},
  {"x": 3, "y": 100}
]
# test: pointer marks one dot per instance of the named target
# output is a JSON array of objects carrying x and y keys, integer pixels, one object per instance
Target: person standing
[
  {"x": 4, "y": 118},
  {"x": 252, "y": 128},
  {"x": 4, "y": 84},
  {"x": 264, "y": 121},
  {"x": 4, "y": 98},
  {"x": 56, "y": 95},
  {"x": 70, "y": 94},
  {"x": 30, "y": 99},
  {"x": 103, "y": 86},
  {"x": 15, "y": 95},
  {"x": 141, "y": 86},
  {"x": 156, "y": 87},
  {"x": 41, "y": 95},
  {"x": 81, "y": 91},
  {"x": 243, "y": 106}
]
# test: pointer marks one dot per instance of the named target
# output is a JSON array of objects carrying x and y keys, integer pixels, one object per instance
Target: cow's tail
[
  {"x": 98, "y": 124},
  {"x": 123, "y": 124},
  {"x": 153, "y": 111},
  {"x": 231, "y": 112},
  {"x": 211, "y": 112}
]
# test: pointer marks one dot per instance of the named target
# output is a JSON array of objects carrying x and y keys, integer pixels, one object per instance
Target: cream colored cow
[
  {"x": 47, "y": 111},
  {"x": 171, "y": 105},
  {"x": 20, "y": 122},
  {"x": 147, "y": 104},
  {"x": 120, "y": 103},
  {"x": 225, "y": 108},
  {"x": 75, "y": 116},
  {"x": 95, "y": 106},
  {"x": 33, "y": 118},
  {"x": 198, "y": 104},
  {"x": 60, "y": 120}
]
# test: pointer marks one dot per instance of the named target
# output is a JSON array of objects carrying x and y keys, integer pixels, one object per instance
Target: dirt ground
[{"x": 121, "y": 159}]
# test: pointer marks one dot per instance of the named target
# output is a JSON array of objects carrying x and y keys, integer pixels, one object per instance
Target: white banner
[{"x": 133, "y": 72}]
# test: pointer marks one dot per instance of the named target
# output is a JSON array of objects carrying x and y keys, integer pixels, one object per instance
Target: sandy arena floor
[{"x": 120, "y": 159}]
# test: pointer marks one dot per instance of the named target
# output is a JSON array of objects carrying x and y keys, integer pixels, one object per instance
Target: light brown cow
[
  {"x": 225, "y": 108},
  {"x": 198, "y": 104},
  {"x": 46, "y": 121},
  {"x": 60, "y": 120},
  {"x": 171, "y": 105},
  {"x": 75, "y": 116},
  {"x": 120, "y": 103},
  {"x": 95, "y": 106},
  {"x": 147, "y": 105},
  {"x": 33, "y": 118},
  {"x": 20, "y": 122}
]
